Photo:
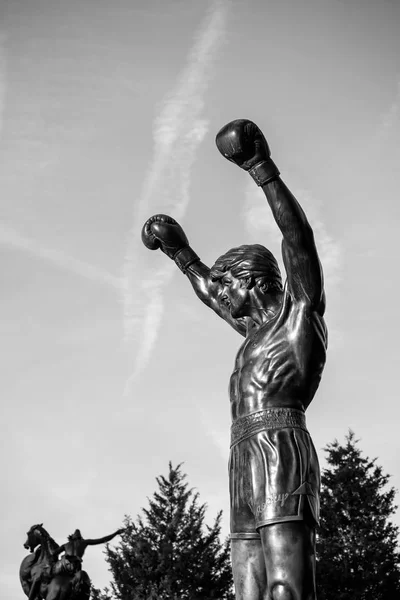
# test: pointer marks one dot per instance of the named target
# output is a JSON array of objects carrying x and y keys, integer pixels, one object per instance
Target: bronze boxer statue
[{"x": 273, "y": 469}]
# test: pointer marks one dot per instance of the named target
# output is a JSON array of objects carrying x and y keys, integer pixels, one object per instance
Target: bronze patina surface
[{"x": 273, "y": 470}]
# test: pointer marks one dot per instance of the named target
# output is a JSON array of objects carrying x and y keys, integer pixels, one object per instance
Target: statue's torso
[{"x": 280, "y": 364}]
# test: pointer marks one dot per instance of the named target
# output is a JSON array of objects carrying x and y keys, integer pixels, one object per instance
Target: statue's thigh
[
  {"x": 248, "y": 569},
  {"x": 289, "y": 552}
]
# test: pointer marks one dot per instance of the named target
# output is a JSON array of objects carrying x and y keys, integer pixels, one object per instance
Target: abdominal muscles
[{"x": 280, "y": 372}]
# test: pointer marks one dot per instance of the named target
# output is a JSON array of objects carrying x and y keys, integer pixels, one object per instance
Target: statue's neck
[{"x": 265, "y": 307}]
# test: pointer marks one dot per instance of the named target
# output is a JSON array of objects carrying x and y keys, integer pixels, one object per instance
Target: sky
[{"x": 111, "y": 367}]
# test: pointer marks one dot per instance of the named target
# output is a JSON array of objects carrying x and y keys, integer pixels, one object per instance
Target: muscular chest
[
  {"x": 262, "y": 346},
  {"x": 278, "y": 350}
]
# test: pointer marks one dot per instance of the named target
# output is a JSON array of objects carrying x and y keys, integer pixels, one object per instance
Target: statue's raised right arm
[
  {"x": 163, "y": 232},
  {"x": 243, "y": 143},
  {"x": 105, "y": 539}
]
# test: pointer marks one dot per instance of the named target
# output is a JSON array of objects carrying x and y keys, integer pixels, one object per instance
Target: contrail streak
[
  {"x": 3, "y": 79},
  {"x": 12, "y": 238},
  {"x": 178, "y": 131}
]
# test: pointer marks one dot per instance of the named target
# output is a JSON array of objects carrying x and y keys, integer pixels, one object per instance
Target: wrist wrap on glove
[
  {"x": 264, "y": 172},
  {"x": 185, "y": 257}
]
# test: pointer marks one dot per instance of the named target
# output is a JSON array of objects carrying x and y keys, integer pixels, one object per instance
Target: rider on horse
[
  {"x": 74, "y": 550},
  {"x": 42, "y": 575}
]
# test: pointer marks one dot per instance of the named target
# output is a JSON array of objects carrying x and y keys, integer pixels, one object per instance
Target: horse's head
[{"x": 35, "y": 537}]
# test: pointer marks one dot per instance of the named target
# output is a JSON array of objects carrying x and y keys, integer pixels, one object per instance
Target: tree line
[{"x": 170, "y": 552}]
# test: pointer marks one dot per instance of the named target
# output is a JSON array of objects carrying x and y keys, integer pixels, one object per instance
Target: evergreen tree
[
  {"x": 357, "y": 549},
  {"x": 170, "y": 552},
  {"x": 97, "y": 594}
]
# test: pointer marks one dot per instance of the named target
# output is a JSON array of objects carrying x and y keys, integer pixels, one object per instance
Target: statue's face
[{"x": 235, "y": 295}]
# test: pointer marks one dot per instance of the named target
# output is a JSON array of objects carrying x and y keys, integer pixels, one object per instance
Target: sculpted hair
[{"x": 251, "y": 260}]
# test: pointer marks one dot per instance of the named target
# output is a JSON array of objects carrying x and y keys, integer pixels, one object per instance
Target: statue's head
[
  {"x": 241, "y": 269},
  {"x": 76, "y": 535}
]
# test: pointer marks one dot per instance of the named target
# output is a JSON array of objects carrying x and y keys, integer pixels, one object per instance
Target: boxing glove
[
  {"x": 161, "y": 231},
  {"x": 243, "y": 143}
]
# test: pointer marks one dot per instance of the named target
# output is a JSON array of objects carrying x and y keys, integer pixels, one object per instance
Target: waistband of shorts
[{"x": 271, "y": 418}]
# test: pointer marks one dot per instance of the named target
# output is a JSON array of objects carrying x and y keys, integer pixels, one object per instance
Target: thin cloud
[
  {"x": 178, "y": 130},
  {"x": 3, "y": 78},
  {"x": 13, "y": 239},
  {"x": 388, "y": 120},
  {"x": 220, "y": 438}
]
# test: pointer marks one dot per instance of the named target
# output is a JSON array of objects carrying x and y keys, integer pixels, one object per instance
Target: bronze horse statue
[{"x": 43, "y": 577}]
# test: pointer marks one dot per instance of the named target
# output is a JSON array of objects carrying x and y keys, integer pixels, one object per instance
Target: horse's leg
[
  {"x": 63, "y": 588},
  {"x": 54, "y": 589},
  {"x": 35, "y": 589},
  {"x": 85, "y": 585}
]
